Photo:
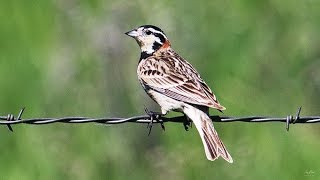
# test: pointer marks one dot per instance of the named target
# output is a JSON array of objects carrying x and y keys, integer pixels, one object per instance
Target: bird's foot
[
  {"x": 154, "y": 116},
  {"x": 187, "y": 123}
]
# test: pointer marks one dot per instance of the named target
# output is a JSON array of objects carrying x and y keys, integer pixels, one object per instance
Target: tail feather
[
  {"x": 222, "y": 151},
  {"x": 213, "y": 145}
]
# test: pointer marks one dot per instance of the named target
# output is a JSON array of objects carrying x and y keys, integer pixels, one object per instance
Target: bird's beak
[{"x": 133, "y": 33}]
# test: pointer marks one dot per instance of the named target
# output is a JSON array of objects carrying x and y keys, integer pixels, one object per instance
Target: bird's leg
[
  {"x": 187, "y": 123},
  {"x": 154, "y": 116}
]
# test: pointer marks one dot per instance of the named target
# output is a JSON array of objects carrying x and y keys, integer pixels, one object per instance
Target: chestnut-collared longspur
[{"x": 175, "y": 85}]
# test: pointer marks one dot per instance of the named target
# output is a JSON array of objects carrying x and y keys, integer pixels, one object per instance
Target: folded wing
[{"x": 176, "y": 78}]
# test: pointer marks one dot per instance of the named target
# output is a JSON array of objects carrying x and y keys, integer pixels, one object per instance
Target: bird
[{"x": 175, "y": 85}]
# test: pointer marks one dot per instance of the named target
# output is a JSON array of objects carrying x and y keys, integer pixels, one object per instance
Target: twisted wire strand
[{"x": 10, "y": 119}]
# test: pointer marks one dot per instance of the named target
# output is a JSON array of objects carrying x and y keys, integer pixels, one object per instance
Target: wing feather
[{"x": 176, "y": 78}]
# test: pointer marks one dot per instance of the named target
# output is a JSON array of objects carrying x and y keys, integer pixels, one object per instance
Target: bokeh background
[{"x": 71, "y": 58}]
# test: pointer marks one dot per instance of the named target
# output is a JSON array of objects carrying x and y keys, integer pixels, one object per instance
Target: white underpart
[{"x": 166, "y": 103}]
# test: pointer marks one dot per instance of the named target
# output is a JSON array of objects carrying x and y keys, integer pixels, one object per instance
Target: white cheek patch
[
  {"x": 158, "y": 40},
  {"x": 148, "y": 42}
]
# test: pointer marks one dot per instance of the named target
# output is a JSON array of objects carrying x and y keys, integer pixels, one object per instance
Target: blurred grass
[{"x": 63, "y": 58}]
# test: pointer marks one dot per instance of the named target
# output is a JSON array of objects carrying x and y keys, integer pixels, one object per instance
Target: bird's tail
[{"x": 213, "y": 146}]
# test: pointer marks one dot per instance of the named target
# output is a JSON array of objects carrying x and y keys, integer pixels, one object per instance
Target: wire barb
[
  {"x": 10, "y": 117},
  {"x": 291, "y": 120},
  {"x": 297, "y": 115}
]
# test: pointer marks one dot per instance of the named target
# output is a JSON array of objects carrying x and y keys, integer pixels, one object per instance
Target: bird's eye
[{"x": 148, "y": 32}]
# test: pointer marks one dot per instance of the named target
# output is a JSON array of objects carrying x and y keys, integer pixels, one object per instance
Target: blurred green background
[{"x": 71, "y": 58}]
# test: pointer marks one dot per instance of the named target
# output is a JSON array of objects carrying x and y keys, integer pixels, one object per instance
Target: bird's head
[{"x": 150, "y": 38}]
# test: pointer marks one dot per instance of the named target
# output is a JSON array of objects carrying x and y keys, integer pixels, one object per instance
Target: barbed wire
[{"x": 151, "y": 118}]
